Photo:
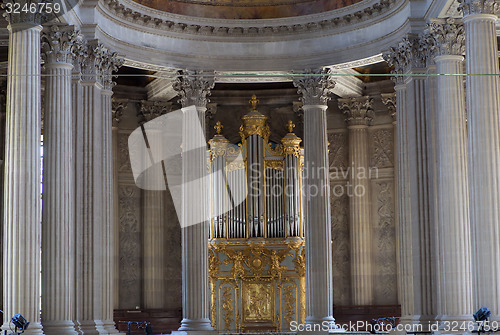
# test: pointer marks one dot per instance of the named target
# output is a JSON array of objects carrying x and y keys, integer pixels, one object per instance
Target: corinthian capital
[
  {"x": 315, "y": 86},
  {"x": 99, "y": 64},
  {"x": 194, "y": 87},
  {"x": 150, "y": 110},
  {"x": 405, "y": 56},
  {"x": 59, "y": 43},
  {"x": 470, "y": 7},
  {"x": 448, "y": 35},
  {"x": 358, "y": 111},
  {"x": 14, "y": 13}
]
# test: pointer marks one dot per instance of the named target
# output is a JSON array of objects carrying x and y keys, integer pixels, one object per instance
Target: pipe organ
[{"x": 256, "y": 247}]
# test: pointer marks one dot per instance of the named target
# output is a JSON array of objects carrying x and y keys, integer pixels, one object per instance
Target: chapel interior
[{"x": 142, "y": 141}]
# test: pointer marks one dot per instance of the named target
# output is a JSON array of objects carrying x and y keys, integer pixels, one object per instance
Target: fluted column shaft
[
  {"x": 358, "y": 114},
  {"x": 108, "y": 210},
  {"x": 21, "y": 201},
  {"x": 319, "y": 303},
  {"x": 362, "y": 286},
  {"x": 193, "y": 90},
  {"x": 195, "y": 227},
  {"x": 453, "y": 210},
  {"x": 483, "y": 118},
  {"x": 406, "y": 294},
  {"x": 58, "y": 197}
]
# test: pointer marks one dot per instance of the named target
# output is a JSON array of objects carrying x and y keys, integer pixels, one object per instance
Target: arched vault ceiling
[
  {"x": 151, "y": 39},
  {"x": 246, "y": 9}
]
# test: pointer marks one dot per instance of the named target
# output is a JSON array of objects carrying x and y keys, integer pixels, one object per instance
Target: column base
[
  {"x": 65, "y": 327},
  {"x": 34, "y": 328},
  {"x": 194, "y": 332},
  {"x": 319, "y": 326},
  {"x": 110, "y": 327},
  {"x": 91, "y": 327},
  {"x": 195, "y": 325}
]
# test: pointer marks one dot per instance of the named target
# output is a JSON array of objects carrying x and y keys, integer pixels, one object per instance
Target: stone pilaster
[
  {"x": 359, "y": 113},
  {"x": 414, "y": 219},
  {"x": 483, "y": 122},
  {"x": 454, "y": 254},
  {"x": 153, "y": 220},
  {"x": 315, "y": 87},
  {"x": 94, "y": 193},
  {"x": 21, "y": 201},
  {"x": 193, "y": 89},
  {"x": 58, "y": 256},
  {"x": 117, "y": 114}
]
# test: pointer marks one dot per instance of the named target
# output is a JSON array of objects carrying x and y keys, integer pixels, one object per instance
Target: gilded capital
[
  {"x": 194, "y": 87},
  {"x": 315, "y": 86},
  {"x": 471, "y": 7},
  {"x": 448, "y": 35},
  {"x": 59, "y": 43},
  {"x": 358, "y": 111}
]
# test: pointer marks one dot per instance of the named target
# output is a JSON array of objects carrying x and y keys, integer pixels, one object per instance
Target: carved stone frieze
[
  {"x": 385, "y": 244},
  {"x": 357, "y": 110},
  {"x": 448, "y": 35},
  {"x": 123, "y": 154},
  {"x": 149, "y": 110},
  {"x": 59, "y": 43},
  {"x": 130, "y": 247},
  {"x": 382, "y": 153},
  {"x": 389, "y": 100},
  {"x": 338, "y": 153},
  {"x": 315, "y": 86},
  {"x": 340, "y": 248},
  {"x": 194, "y": 87},
  {"x": 117, "y": 109}
]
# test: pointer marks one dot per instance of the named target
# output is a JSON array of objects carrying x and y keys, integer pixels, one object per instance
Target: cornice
[{"x": 137, "y": 14}]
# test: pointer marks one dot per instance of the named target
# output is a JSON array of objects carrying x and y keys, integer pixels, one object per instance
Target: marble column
[
  {"x": 415, "y": 248},
  {"x": 483, "y": 122},
  {"x": 193, "y": 89},
  {"x": 94, "y": 202},
  {"x": 359, "y": 113},
  {"x": 78, "y": 154},
  {"x": 3, "y": 96},
  {"x": 154, "y": 288},
  {"x": 21, "y": 201},
  {"x": 454, "y": 254},
  {"x": 58, "y": 195},
  {"x": 110, "y": 63},
  {"x": 315, "y": 87}
]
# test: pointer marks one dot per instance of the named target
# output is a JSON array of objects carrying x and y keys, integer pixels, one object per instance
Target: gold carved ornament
[
  {"x": 254, "y": 123},
  {"x": 291, "y": 142},
  {"x": 218, "y": 144}
]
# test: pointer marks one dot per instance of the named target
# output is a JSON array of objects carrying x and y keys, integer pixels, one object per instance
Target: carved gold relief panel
[{"x": 256, "y": 285}]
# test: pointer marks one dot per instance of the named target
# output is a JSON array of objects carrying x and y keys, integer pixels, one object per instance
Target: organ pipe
[{"x": 270, "y": 177}]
